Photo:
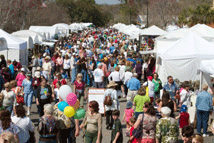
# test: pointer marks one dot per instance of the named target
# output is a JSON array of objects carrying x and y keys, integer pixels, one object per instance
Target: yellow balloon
[
  {"x": 69, "y": 111},
  {"x": 76, "y": 105}
]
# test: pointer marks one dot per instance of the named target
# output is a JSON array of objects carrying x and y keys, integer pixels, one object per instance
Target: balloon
[
  {"x": 64, "y": 91},
  {"x": 71, "y": 99},
  {"x": 62, "y": 105},
  {"x": 80, "y": 113},
  {"x": 76, "y": 105},
  {"x": 69, "y": 111}
]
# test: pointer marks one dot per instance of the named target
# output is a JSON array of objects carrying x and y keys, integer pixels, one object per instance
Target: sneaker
[
  {"x": 28, "y": 113},
  {"x": 205, "y": 135}
]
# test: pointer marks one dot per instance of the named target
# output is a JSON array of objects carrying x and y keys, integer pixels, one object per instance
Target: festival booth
[
  {"x": 17, "y": 48},
  {"x": 48, "y": 31},
  {"x": 37, "y": 38},
  {"x": 182, "y": 59},
  {"x": 63, "y": 28}
]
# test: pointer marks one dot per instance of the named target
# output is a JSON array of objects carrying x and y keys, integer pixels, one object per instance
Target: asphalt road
[{"x": 106, "y": 133}]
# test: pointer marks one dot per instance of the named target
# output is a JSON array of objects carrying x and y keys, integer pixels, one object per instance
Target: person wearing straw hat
[
  {"x": 47, "y": 68},
  {"x": 111, "y": 91}
]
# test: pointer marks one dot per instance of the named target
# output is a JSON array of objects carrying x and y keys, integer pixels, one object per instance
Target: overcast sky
[{"x": 107, "y": 1}]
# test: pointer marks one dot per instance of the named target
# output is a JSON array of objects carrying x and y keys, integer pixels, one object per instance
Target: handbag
[{"x": 138, "y": 132}]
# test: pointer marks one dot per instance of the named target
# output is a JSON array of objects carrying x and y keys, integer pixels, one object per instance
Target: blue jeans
[
  {"x": 9, "y": 108},
  {"x": 28, "y": 97},
  {"x": 202, "y": 121},
  {"x": 136, "y": 114},
  {"x": 73, "y": 76},
  {"x": 84, "y": 73}
]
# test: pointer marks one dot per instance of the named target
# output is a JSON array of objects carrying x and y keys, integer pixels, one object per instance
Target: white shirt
[
  {"x": 56, "y": 92},
  {"x": 115, "y": 76},
  {"x": 98, "y": 74},
  {"x": 151, "y": 87},
  {"x": 115, "y": 102},
  {"x": 145, "y": 66},
  {"x": 25, "y": 125},
  {"x": 128, "y": 76},
  {"x": 185, "y": 98},
  {"x": 72, "y": 61},
  {"x": 66, "y": 64},
  {"x": 122, "y": 72}
]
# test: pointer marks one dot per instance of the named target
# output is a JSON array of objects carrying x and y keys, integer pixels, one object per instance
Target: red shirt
[
  {"x": 134, "y": 139},
  {"x": 79, "y": 86},
  {"x": 63, "y": 82},
  {"x": 184, "y": 119}
]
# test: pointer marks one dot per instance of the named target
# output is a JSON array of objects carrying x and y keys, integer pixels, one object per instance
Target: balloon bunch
[{"x": 70, "y": 105}]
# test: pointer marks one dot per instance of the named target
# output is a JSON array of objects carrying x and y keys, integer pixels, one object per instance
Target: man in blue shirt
[
  {"x": 112, "y": 48},
  {"x": 171, "y": 87},
  {"x": 133, "y": 85},
  {"x": 131, "y": 60},
  {"x": 204, "y": 109}
]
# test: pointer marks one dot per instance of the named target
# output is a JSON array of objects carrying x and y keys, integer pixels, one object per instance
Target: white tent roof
[
  {"x": 45, "y": 29},
  {"x": 207, "y": 66},
  {"x": 176, "y": 34},
  {"x": 37, "y": 38},
  {"x": 29, "y": 41},
  {"x": 3, "y": 44},
  {"x": 153, "y": 31},
  {"x": 203, "y": 30},
  {"x": 190, "y": 46},
  {"x": 61, "y": 26},
  {"x": 13, "y": 42}
]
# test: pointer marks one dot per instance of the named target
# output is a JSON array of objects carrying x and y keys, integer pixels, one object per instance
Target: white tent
[
  {"x": 29, "y": 40},
  {"x": 3, "y": 44},
  {"x": 63, "y": 28},
  {"x": 37, "y": 38},
  {"x": 152, "y": 31},
  {"x": 45, "y": 30},
  {"x": 182, "y": 59},
  {"x": 17, "y": 48},
  {"x": 203, "y": 31}
]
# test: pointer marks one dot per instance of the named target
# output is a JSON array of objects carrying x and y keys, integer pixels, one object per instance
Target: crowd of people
[{"x": 99, "y": 58}]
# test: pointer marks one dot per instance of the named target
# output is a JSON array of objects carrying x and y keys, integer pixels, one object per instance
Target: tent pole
[
  {"x": 7, "y": 54},
  {"x": 201, "y": 74}
]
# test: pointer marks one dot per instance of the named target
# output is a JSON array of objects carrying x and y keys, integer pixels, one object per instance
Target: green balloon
[{"x": 80, "y": 113}]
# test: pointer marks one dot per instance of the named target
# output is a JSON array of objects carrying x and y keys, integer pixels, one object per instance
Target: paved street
[{"x": 106, "y": 133}]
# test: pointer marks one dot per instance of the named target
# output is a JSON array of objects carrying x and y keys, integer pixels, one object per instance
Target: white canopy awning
[
  {"x": 3, "y": 44},
  {"x": 152, "y": 31}
]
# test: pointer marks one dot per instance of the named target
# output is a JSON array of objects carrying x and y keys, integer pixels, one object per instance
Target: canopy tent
[
  {"x": 170, "y": 38},
  {"x": 37, "y": 38},
  {"x": 172, "y": 28},
  {"x": 181, "y": 60},
  {"x": 50, "y": 44},
  {"x": 46, "y": 30},
  {"x": 63, "y": 28},
  {"x": 29, "y": 40},
  {"x": 152, "y": 31},
  {"x": 3, "y": 44},
  {"x": 17, "y": 48}
]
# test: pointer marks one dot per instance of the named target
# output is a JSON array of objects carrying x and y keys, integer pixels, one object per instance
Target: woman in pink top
[
  {"x": 59, "y": 63},
  {"x": 20, "y": 77}
]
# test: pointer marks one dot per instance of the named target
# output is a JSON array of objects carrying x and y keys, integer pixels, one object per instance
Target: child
[
  {"x": 157, "y": 102},
  {"x": 184, "y": 117},
  {"x": 129, "y": 113},
  {"x": 55, "y": 91},
  {"x": 116, "y": 134},
  {"x": 132, "y": 139},
  {"x": 187, "y": 132},
  {"x": 197, "y": 138}
]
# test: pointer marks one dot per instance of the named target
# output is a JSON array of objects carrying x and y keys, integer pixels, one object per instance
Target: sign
[{"x": 98, "y": 95}]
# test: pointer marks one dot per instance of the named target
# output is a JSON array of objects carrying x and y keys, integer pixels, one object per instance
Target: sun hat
[
  {"x": 38, "y": 68},
  {"x": 47, "y": 58},
  {"x": 111, "y": 84},
  {"x": 183, "y": 108},
  {"x": 166, "y": 111},
  {"x": 120, "y": 62},
  {"x": 129, "y": 105},
  {"x": 37, "y": 74}
]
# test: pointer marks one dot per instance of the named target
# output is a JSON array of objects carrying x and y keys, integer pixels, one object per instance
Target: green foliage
[
  {"x": 203, "y": 14},
  {"x": 85, "y": 11}
]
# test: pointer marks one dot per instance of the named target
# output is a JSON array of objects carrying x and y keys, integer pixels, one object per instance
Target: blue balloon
[{"x": 62, "y": 105}]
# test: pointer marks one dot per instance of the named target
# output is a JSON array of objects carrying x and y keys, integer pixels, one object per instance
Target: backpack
[
  {"x": 48, "y": 127},
  {"x": 108, "y": 100}
]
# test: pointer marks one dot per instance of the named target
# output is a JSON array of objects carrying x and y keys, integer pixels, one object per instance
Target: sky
[{"x": 107, "y": 2}]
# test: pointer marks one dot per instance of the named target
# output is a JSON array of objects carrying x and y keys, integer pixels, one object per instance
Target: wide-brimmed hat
[
  {"x": 22, "y": 69},
  {"x": 111, "y": 83},
  {"x": 129, "y": 105}
]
